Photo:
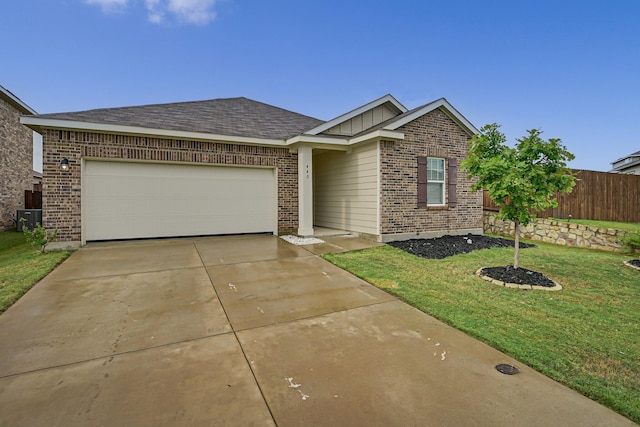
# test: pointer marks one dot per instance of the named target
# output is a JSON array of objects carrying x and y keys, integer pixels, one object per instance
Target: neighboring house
[
  {"x": 628, "y": 165},
  {"x": 16, "y": 157},
  {"x": 228, "y": 166}
]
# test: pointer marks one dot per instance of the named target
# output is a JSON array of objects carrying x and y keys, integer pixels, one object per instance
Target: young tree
[{"x": 520, "y": 180}]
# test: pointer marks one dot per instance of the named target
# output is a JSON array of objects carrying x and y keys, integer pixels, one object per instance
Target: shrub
[
  {"x": 632, "y": 242},
  {"x": 38, "y": 237}
]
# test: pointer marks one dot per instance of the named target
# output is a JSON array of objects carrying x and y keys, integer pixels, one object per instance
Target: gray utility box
[{"x": 31, "y": 217}]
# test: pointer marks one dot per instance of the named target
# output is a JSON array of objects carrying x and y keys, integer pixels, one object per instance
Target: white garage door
[{"x": 137, "y": 200}]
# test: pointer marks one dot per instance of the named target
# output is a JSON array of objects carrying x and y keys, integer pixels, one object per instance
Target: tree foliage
[
  {"x": 39, "y": 237},
  {"x": 520, "y": 179}
]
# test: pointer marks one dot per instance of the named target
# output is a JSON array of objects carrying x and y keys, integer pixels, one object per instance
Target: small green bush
[
  {"x": 632, "y": 242},
  {"x": 39, "y": 237}
]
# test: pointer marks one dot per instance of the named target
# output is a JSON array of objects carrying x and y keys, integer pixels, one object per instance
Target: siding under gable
[
  {"x": 346, "y": 189},
  {"x": 363, "y": 121}
]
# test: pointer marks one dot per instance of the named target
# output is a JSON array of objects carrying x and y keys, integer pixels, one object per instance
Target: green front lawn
[
  {"x": 22, "y": 266},
  {"x": 586, "y": 336},
  {"x": 624, "y": 226}
]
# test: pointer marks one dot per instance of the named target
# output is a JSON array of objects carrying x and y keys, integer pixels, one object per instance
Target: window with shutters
[
  {"x": 435, "y": 181},
  {"x": 434, "y": 175}
]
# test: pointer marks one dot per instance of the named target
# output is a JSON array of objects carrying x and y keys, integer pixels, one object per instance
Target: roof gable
[
  {"x": 362, "y": 118},
  {"x": 626, "y": 162},
  {"x": 418, "y": 112},
  {"x": 15, "y": 101}
]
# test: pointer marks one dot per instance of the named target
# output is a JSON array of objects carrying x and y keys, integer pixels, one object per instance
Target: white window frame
[{"x": 442, "y": 182}]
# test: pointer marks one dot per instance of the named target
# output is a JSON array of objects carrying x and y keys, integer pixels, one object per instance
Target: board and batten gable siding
[
  {"x": 346, "y": 189},
  {"x": 363, "y": 121},
  {"x": 435, "y": 134}
]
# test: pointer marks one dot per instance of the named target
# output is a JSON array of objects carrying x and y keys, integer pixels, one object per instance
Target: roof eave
[
  {"x": 38, "y": 124},
  {"x": 441, "y": 103},
  {"x": 351, "y": 114},
  {"x": 342, "y": 144},
  {"x": 16, "y": 102}
]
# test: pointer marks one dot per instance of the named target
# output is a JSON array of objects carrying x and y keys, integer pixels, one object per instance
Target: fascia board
[
  {"x": 351, "y": 114},
  {"x": 622, "y": 159},
  {"x": 328, "y": 142},
  {"x": 313, "y": 139},
  {"x": 626, "y": 166},
  {"x": 378, "y": 135},
  {"x": 16, "y": 102},
  {"x": 36, "y": 123},
  {"x": 442, "y": 102}
]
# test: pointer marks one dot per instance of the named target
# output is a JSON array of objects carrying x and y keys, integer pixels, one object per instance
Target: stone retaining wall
[{"x": 559, "y": 232}]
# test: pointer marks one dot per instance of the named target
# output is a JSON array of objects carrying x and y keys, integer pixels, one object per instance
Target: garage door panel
[{"x": 135, "y": 200}]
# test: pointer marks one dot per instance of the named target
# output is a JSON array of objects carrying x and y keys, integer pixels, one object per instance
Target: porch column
[{"x": 305, "y": 191}]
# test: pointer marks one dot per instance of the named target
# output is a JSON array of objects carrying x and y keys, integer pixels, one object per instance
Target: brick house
[
  {"x": 228, "y": 166},
  {"x": 16, "y": 156}
]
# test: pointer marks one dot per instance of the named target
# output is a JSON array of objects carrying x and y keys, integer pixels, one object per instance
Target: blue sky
[{"x": 570, "y": 68}]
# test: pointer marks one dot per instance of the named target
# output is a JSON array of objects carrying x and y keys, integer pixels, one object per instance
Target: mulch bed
[
  {"x": 446, "y": 246},
  {"x": 519, "y": 276},
  {"x": 634, "y": 263}
]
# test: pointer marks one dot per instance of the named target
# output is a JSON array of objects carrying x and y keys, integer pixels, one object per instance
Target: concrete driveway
[{"x": 251, "y": 330}]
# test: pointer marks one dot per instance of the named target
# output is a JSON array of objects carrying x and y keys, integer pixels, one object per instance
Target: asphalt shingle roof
[{"x": 224, "y": 116}]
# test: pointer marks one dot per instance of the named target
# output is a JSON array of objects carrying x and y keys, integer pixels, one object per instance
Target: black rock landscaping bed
[
  {"x": 634, "y": 263},
  {"x": 446, "y": 246},
  {"x": 519, "y": 276}
]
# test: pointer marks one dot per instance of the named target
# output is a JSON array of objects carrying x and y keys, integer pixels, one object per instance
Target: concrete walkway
[{"x": 244, "y": 331}]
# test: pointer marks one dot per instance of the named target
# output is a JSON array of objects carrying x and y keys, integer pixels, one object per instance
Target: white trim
[
  {"x": 17, "y": 102},
  {"x": 377, "y": 135},
  {"x": 351, "y": 114},
  {"x": 443, "y": 182},
  {"x": 83, "y": 203},
  {"x": 442, "y": 102},
  {"x": 313, "y": 139},
  {"x": 342, "y": 143},
  {"x": 378, "y": 191},
  {"x": 139, "y": 130},
  {"x": 305, "y": 191}
]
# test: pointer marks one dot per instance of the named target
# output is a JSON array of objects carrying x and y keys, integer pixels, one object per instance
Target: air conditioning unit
[{"x": 31, "y": 217}]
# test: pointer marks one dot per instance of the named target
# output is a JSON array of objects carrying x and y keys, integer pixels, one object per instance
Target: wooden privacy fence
[
  {"x": 597, "y": 195},
  {"x": 32, "y": 199}
]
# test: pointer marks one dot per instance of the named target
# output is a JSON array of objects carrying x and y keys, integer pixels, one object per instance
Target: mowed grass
[
  {"x": 633, "y": 227},
  {"x": 22, "y": 266},
  {"x": 586, "y": 336}
]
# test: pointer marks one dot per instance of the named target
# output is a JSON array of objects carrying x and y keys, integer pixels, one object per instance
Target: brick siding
[
  {"x": 436, "y": 135},
  {"x": 61, "y": 191},
  {"x": 16, "y": 163}
]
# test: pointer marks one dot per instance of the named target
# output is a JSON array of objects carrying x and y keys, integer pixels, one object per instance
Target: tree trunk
[{"x": 516, "y": 255}]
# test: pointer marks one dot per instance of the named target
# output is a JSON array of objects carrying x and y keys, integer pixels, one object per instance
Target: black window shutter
[
  {"x": 452, "y": 180},
  {"x": 422, "y": 182}
]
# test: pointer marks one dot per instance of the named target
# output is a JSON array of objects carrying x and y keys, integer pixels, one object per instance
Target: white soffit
[{"x": 351, "y": 114}]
